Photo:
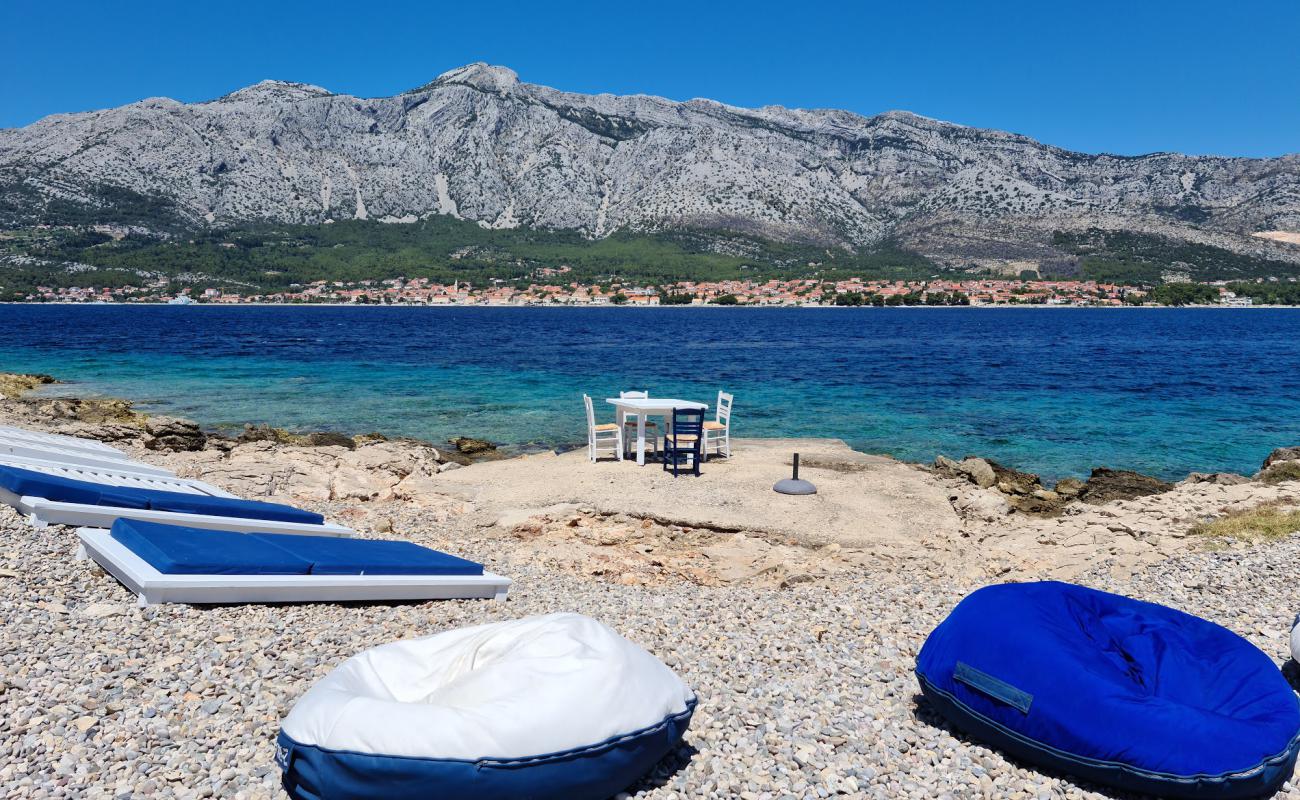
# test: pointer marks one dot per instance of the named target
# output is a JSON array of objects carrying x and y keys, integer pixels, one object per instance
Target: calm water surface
[{"x": 1055, "y": 391}]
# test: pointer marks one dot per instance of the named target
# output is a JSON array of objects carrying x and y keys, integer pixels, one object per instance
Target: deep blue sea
[{"x": 1054, "y": 391}]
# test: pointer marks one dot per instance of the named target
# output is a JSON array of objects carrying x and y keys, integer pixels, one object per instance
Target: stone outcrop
[
  {"x": 1024, "y": 491},
  {"x": 375, "y": 471},
  {"x": 976, "y": 470},
  {"x": 173, "y": 434},
  {"x": 469, "y": 446},
  {"x": 1281, "y": 454},
  {"x": 91, "y": 410},
  {"x": 1283, "y": 464},
  {"x": 15, "y": 385},
  {"x": 1107, "y": 485}
]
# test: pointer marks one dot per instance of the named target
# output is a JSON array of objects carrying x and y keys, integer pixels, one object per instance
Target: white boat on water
[{"x": 181, "y": 300}]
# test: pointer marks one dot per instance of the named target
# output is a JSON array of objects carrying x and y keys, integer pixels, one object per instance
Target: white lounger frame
[
  {"x": 61, "y": 440},
  {"x": 41, "y": 512},
  {"x": 19, "y": 448},
  {"x": 114, "y": 476},
  {"x": 151, "y": 586}
]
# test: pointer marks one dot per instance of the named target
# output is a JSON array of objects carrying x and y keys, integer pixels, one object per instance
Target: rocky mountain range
[{"x": 478, "y": 144}]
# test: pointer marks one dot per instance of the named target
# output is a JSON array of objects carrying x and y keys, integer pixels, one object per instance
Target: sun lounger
[
  {"x": 45, "y": 498},
  {"x": 113, "y": 476},
  {"x": 174, "y": 564},
  {"x": 61, "y": 440},
  {"x": 22, "y": 448}
]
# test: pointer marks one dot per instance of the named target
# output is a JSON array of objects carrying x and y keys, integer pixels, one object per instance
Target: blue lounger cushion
[
  {"x": 68, "y": 490},
  {"x": 230, "y": 507},
  {"x": 174, "y": 550},
  {"x": 1125, "y": 693},
  {"x": 177, "y": 550},
  {"x": 331, "y": 555}
]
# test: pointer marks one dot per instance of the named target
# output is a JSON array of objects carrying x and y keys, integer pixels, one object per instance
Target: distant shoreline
[{"x": 707, "y": 306}]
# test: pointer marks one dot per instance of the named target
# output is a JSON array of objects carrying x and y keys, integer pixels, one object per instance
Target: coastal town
[{"x": 557, "y": 291}]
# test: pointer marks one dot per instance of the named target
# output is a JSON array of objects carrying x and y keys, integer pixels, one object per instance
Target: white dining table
[{"x": 642, "y": 407}]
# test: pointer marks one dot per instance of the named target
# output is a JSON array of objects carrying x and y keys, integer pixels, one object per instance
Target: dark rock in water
[
  {"x": 173, "y": 435},
  {"x": 1069, "y": 488},
  {"x": 1281, "y": 454},
  {"x": 472, "y": 447},
  {"x": 1105, "y": 485},
  {"x": 367, "y": 438},
  {"x": 1014, "y": 482}
]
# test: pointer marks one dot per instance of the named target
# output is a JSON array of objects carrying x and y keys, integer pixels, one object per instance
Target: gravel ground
[{"x": 804, "y": 692}]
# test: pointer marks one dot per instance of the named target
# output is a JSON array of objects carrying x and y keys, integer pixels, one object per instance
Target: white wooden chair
[
  {"x": 602, "y": 437},
  {"x": 717, "y": 432},
  {"x": 629, "y": 424}
]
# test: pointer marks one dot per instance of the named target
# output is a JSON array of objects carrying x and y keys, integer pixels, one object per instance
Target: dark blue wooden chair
[{"x": 685, "y": 442}]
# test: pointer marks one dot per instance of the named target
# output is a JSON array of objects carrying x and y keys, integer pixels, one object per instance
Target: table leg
[{"x": 640, "y": 439}]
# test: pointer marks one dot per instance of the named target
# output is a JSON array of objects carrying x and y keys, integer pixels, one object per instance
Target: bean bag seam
[
  {"x": 1122, "y": 766},
  {"x": 561, "y": 755}
]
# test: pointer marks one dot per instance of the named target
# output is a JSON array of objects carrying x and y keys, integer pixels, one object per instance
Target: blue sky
[{"x": 1099, "y": 76}]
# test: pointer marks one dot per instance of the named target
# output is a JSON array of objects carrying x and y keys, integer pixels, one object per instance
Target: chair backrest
[
  {"x": 724, "y": 408},
  {"x": 688, "y": 421},
  {"x": 591, "y": 412},
  {"x": 634, "y": 395}
]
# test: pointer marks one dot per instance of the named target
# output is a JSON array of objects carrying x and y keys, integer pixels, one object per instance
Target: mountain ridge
[{"x": 479, "y": 144}]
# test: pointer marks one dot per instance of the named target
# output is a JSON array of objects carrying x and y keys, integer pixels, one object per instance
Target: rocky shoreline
[{"x": 796, "y": 620}]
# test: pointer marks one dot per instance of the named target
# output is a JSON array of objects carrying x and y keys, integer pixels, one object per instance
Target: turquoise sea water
[{"x": 1055, "y": 391}]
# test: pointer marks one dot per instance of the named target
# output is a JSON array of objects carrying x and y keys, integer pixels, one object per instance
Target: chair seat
[
  {"x": 608, "y": 426},
  {"x": 631, "y": 423},
  {"x": 714, "y": 426},
  {"x": 682, "y": 437}
]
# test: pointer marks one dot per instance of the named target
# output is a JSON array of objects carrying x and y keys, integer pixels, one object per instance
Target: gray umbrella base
[{"x": 794, "y": 486}]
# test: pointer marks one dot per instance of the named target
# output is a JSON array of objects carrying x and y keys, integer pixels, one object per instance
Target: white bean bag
[
  {"x": 1295, "y": 638},
  {"x": 556, "y": 706}
]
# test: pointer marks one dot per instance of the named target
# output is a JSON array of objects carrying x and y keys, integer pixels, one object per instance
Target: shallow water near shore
[{"x": 1055, "y": 391}]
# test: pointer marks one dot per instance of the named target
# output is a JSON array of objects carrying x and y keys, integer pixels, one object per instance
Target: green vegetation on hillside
[
  {"x": 1140, "y": 258},
  {"x": 440, "y": 248}
]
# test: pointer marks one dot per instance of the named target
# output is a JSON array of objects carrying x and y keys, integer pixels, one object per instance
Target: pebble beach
[{"x": 805, "y": 692}]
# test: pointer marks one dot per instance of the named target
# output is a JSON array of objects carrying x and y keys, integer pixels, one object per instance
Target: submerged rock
[{"x": 1106, "y": 485}]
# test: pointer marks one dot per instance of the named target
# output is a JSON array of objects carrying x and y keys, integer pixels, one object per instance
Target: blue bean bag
[
  {"x": 557, "y": 707},
  {"x": 1124, "y": 693}
]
